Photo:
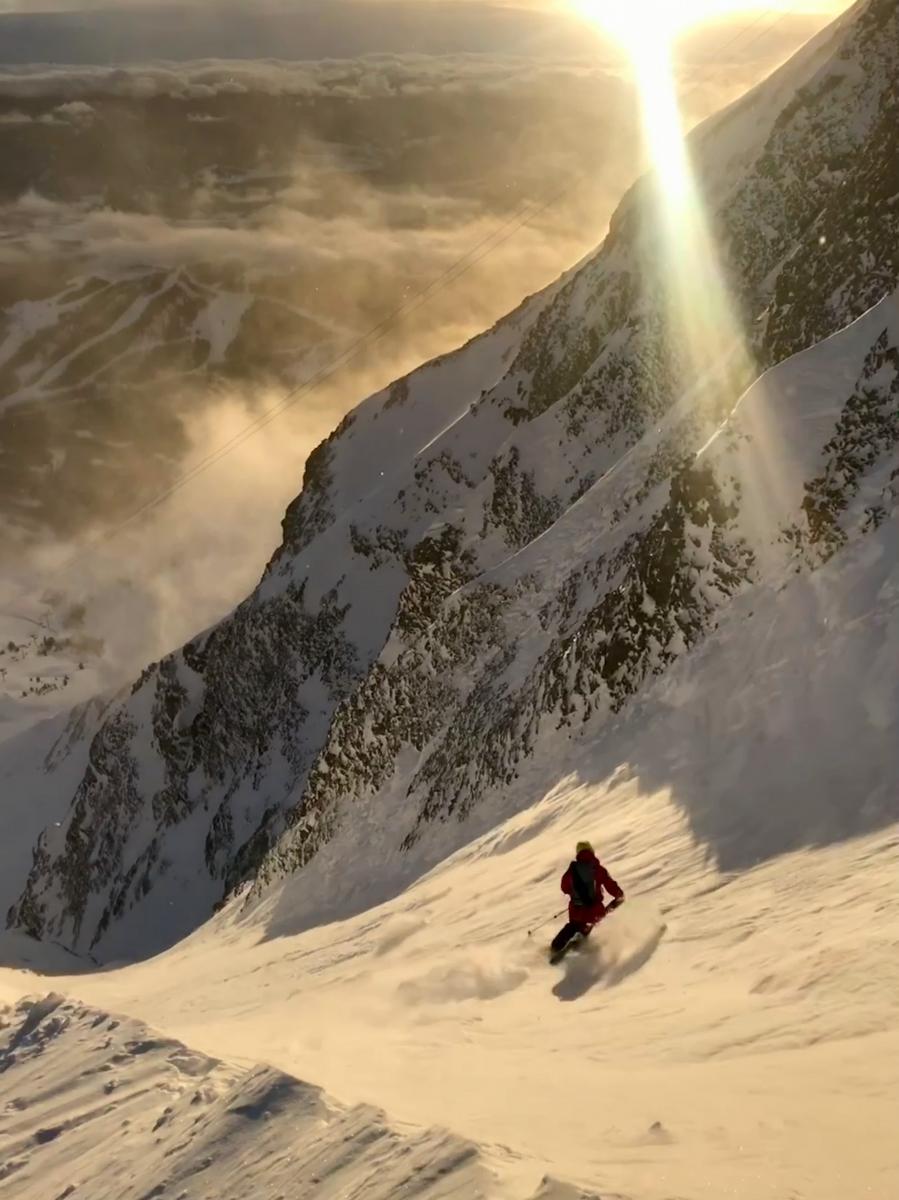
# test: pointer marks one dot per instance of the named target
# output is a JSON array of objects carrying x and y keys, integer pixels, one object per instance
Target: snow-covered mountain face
[
  {"x": 513, "y": 540},
  {"x": 182, "y": 245}
]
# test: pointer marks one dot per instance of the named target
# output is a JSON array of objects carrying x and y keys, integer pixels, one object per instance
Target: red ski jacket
[{"x": 583, "y": 914}]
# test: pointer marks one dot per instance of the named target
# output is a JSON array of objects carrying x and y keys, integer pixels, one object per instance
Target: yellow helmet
[{"x": 584, "y": 846}]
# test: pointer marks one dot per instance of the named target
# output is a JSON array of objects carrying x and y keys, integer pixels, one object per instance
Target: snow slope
[
  {"x": 44, "y": 671},
  {"x": 44, "y": 766},
  {"x": 732, "y": 1031},
  {"x": 719, "y": 554},
  {"x": 723, "y": 1027},
  {"x": 82, "y": 1082}
]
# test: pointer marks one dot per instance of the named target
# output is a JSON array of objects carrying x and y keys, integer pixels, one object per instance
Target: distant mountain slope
[{"x": 518, "y": 537}]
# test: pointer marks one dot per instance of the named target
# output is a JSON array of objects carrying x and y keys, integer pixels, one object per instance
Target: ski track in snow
[{"x": 718, "y": 1038}]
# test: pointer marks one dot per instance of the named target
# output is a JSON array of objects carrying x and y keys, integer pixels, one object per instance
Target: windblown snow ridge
[{"x": 102, "y": 1108}]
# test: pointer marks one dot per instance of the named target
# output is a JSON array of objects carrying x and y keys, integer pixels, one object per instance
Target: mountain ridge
[{"x": 390, "y": 650}]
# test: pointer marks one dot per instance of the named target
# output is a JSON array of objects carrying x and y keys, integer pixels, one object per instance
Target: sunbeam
[{"x": 700, "y": 313}]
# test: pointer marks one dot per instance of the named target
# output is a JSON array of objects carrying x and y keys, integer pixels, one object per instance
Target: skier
[{"x": 584, "y": 882}]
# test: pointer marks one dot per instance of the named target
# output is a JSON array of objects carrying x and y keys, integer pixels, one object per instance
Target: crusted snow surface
[{"x": 100, "y": 1107}]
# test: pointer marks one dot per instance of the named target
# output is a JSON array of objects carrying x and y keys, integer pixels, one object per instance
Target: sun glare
[
  {"x": 633, "y": 21},
  {"x": 702, "y": 319}
]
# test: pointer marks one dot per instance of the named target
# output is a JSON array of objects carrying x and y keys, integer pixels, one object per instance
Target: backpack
[{"x": 583, "y": 884}]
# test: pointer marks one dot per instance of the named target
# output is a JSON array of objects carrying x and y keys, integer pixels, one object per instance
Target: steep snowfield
[
  {"x": 732, "y": 1031},
  {"x": 50, "y": 706},
  {"x": 716, "y": 1057},
  {"x": 763, "y": 456},
  {"x": 36, "y": 782}
]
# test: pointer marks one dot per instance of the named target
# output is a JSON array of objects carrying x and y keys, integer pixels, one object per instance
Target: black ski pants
[{"x": 567, "y": 932}]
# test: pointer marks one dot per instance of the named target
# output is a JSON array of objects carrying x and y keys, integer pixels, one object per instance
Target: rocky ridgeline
[{"x": 863, "y": 446}]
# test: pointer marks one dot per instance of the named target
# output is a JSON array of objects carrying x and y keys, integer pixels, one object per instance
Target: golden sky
[
  {"x": 609, "y": 16},
  {"x": 741, "y": 6},
  {"x": 711, "y": 9},
  {"x": 634, "y": 20}
]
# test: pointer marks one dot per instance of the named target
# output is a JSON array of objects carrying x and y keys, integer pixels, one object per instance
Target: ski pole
[{"x": 540, "y": 925}]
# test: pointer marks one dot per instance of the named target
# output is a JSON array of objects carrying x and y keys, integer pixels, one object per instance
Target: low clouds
[
  {"x": 363, "y": 78},
  {"x": 72, "y": 112},
  {"x": 379, "y": 229},
  {"x": 183, "y": 567}
]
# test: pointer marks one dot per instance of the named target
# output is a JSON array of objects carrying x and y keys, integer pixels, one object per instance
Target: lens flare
[
  {"x": 700, "y": 315},
  {"x": 631, "y": 21}
]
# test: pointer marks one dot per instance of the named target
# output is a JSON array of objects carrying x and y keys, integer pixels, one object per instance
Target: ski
[{"x": 556, "y": 956}]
